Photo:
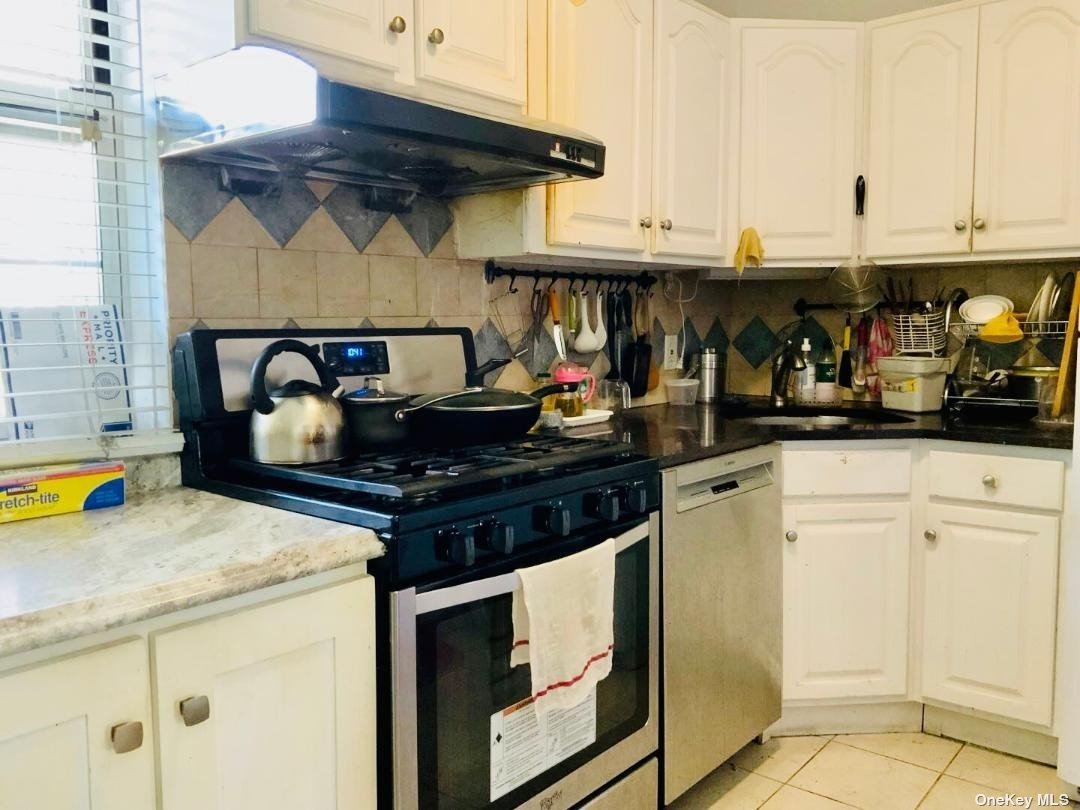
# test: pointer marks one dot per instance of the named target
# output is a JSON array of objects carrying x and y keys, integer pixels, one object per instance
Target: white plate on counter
[{"x": 590, "y": 417}]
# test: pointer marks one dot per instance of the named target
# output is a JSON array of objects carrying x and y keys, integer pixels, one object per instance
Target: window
[{"x": 83, "y": 351}]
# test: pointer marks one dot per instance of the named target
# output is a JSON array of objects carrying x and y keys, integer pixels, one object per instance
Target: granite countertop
[
  {"x": 72, "y": 575},
  {"x": 677, "y": 435}
]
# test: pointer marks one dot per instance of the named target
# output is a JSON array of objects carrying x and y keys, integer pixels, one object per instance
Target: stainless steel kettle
[{"x": 299, "y": 422}]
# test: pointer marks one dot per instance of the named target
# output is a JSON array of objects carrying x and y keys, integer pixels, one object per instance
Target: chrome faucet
[{"x": 786, "y": 361}]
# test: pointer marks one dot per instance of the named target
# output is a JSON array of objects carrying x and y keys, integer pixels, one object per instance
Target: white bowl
[
  {"x": 681, "y": 392},
  {"x": 984, "y": 308}
]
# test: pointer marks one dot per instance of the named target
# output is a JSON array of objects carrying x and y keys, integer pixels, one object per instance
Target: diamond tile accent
[
  {"x": 1052, "y": 350},
  {"x": 367, "y": 323},
  {"x": 490, "y": 344},
  {"x": 427, "y": 222},
  {"x": 284, "y": 213},
  {"x": 545, "y": 354},
  {"x": 1002, "y": 355},
  {"x": 192, "y": 196},
  {"x": 691, "y": 342},
  {"x": 657, "y": 337},
  {"x": 431, "y": 324},
  {"x": 756, "y": 342},
  {"x": 809, "y": 328},
  {"x": 345, "y": 204},
  {"x": 716, "y": 338}
]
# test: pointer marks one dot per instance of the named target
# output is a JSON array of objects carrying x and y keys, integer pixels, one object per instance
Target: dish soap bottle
[
  {"x": 806, "y": 380},
  {"x": 825, "y": 372}
]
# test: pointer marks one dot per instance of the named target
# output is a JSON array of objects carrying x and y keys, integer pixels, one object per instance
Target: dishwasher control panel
[{"x": 693, "y": 494}]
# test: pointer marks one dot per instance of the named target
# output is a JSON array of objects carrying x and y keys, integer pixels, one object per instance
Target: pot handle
[
  {"x": 476, "y": 377},
  {"x": 259, "y": 395},
  {"x": 403, "y": 413}
]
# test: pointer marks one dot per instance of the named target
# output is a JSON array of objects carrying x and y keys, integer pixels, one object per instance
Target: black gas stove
[{"x": 436, "y": 509}]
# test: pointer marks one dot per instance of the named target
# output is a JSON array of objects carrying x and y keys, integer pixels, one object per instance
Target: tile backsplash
[{"x": 314, "y": 256}]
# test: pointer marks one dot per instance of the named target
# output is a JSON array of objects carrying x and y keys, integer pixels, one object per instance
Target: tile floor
[{"x": 865, "y": 771}]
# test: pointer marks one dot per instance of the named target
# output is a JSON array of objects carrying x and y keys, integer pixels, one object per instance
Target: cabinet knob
[
  {"x": 195, "y": 710},
  {"x": 645, "y": 222},
  {"x": 397, "y": 25},
  {"x": 979, "y": 224},
  {"x": 930, "y": 535},
  {"x": 436, "y": 36},
  {"x": 126, "y": 737},
  {"x": 792, "y": 536},
  {"x": 960, "y": 226},
  {"x": 665, "y": 224},
  {"x": 990, "y": 481}
]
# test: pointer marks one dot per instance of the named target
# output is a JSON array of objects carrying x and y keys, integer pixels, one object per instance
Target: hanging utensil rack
[{"x": 642, "y": 280}]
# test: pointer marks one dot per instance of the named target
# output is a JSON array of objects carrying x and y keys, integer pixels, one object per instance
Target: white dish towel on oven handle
[{"x": 564, "y": 618}]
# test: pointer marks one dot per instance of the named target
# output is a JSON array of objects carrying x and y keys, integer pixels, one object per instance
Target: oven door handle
[{"x": 455, "y": 595}]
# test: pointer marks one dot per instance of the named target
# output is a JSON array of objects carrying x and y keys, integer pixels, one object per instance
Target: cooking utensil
[
  {"x": 637, "y": 357},
  {"x": 855, "y": 285},
  {"x": 1067, "y": 380},
  {"x": 585, "y": 341},
  {"x": 370, "y": 416},
  {"x": 843, "y": 375},
  {"x": 571, "y": 319},
  {"x": 556, "y": 328},
  {"x": 475, "y": 415},
  {"x": 300, "y": 422},
  {"x": 601, "y": 323}
]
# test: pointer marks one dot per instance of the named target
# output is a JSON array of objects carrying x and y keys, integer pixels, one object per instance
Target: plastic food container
[
  {"x": 915, "y": 384},
  {"x": 682, "y": 392}
]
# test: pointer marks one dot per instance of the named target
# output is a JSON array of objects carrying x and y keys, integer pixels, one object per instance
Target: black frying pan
[{"x": 475, "y": 415}]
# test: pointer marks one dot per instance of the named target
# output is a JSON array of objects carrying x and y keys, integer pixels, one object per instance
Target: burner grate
[{"x": 417, "y": 474}]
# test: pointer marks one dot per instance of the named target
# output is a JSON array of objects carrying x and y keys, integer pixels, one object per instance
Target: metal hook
[
  {"x": 573, "y": 281},
  {"x": 554, "y": 278},
  {"x": 513, "y": 280},
  {"x": 536, "y": 283}
]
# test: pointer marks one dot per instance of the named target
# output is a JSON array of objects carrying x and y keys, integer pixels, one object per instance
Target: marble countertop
[
  {"x": 677, "y": 435},
  {"x": 72, "y": 575}
]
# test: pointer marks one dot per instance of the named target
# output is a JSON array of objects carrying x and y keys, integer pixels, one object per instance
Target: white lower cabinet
[
  {"x": 989, "y": 610},
  {"x": 845, "y": 599},
  {"x": 272, "y": 707},
  {"x": 75, "y": 734}
]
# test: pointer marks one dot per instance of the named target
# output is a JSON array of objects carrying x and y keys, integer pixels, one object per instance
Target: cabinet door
[
  {"x": 601, "y": 83},
  {"x": 922, "y": 135},
  {"x": 798, "y": 112},
  {"x": 846, "y": 599},
  {"x": 1027, "y": 153},
  {"x": 989, "y": 610},
  {"x": 476, "y": 45},
  {"x": 290, "y": 688},
  {"x": 56, "y": 749},
  {"x": 352, "y": 29},
  {"x": 689, "y": 178}
]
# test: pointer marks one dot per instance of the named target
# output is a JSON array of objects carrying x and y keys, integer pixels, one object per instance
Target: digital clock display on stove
[{"x": 356, "y": 358}]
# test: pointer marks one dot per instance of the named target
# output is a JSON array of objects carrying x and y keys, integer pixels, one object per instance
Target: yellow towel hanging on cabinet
[{"x": 749, "y": 251}]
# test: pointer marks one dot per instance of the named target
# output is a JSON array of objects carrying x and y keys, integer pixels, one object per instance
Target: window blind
[{"x": 83, "y": 323}]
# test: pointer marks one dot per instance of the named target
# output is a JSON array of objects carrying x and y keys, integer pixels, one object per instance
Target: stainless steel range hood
[{"x": 263, "y": 109}]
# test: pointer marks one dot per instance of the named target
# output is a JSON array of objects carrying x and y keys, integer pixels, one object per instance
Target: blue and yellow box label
[{"x": 58, "y": 489}]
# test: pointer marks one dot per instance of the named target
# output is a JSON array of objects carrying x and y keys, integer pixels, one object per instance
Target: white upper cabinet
[
  {"x": 272, "y": 706},
  {"x": 601, "y": 82},
  {"x": 476, "y": 45},
  {"x": 359, "y": 30},
  {"x": 921, "y": 134},
  {"x": 693, "y": 70},
  {"x": 75, "y": 732},
  {"x": 1027, "y": 155},
  {"x": 799, "y": 103},
  {"x": 990, "y": 610}
]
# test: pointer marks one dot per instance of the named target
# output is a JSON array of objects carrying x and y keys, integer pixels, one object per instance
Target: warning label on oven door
[{"x": 523, "y": 748}]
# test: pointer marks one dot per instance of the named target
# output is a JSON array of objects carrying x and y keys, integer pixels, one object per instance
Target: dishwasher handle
[{"x": 731, "y": 484}]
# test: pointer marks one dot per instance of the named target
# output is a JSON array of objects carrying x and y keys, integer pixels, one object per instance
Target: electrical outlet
[{"x": 672, "y": 360}]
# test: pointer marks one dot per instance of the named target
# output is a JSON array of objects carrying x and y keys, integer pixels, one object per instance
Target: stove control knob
[
  {"x": 497, "y": 537},
  {"x": 604, "y": 505},
  {"x": 635, "y": 498},
  {"x": 457, "y": 547},
  {"x": 554, "y": 519}
]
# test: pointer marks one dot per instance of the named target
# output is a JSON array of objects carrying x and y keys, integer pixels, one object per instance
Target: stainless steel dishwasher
[{"x": 721, "y": 591}]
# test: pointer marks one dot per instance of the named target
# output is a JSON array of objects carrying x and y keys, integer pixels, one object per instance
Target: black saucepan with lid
[{"x": 370, "y": 416}]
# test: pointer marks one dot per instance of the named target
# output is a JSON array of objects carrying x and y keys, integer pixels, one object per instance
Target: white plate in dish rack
[{"x": 590, "y": 417}]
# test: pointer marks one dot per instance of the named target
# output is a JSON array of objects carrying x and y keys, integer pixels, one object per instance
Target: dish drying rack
[{"x": 1054, "y": 329}]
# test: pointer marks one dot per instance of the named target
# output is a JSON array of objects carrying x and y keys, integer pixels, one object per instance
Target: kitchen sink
[{"x": 818, "y": 417}]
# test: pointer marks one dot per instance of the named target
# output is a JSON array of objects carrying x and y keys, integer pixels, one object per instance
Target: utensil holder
[{"x": 919, "y": 333}]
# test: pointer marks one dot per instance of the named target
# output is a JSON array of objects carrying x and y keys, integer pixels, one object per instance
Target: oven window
[{"x": 464, "y": 677}]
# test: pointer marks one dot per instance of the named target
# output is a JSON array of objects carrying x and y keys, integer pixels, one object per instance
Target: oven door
[{"x": 463, "y": 739}]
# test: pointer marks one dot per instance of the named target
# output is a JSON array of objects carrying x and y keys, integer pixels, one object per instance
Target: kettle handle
[{"x": 259, "y": 395}]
